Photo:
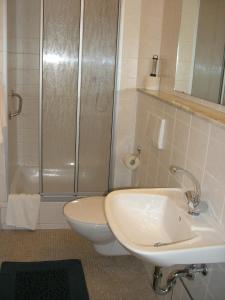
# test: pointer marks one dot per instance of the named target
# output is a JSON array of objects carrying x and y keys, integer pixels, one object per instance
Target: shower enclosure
[{"x": 62, "y": 62}]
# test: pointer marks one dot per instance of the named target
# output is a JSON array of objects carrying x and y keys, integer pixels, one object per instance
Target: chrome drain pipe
[{"x": 188, "y": 272}]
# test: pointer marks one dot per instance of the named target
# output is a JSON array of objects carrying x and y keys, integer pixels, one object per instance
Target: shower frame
[
  {"x": 222, "y": 82},
  {"x": 76, "y": 194}
]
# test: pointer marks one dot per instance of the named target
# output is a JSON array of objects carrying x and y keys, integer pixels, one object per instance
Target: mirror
[{"x": 201, "y": 50}]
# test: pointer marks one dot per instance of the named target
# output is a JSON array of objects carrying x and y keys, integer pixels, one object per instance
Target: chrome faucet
[{"x": 195, "y": 206}]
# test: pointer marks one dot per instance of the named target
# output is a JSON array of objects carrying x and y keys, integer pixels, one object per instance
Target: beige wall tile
[
  {"x": 129, "y": 42},
  {"x": 214, "y": 193},
  {"x": 183, "y": 117},
  {"x": 196, "y": 169},
  {"x": 195, "y": 145},
  {"x": 162, "y": 176},
  {"x": 200, "y": 124},
  {"x": 150, "y": 36},
  {"x": 216, "y": 160},
  {"x": 181, "y": 135}
]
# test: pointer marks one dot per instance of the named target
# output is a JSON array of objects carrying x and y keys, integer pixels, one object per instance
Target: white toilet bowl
[{"x": 86, "y": 216}]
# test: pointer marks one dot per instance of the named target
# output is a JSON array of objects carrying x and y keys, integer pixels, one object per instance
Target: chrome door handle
[{"x": 16, "y": 95}]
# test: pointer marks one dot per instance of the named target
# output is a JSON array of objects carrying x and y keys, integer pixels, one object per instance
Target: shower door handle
[{"x": 16, "y": 95}]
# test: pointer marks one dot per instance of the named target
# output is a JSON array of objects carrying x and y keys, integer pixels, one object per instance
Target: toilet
[{"x": 86, "y": 216}]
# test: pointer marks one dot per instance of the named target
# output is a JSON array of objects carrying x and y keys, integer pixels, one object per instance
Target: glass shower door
[
  {"x": 97, "y": 94},
  {"x": 78, "y": 80},
  {"x": 61, "y": 35}
]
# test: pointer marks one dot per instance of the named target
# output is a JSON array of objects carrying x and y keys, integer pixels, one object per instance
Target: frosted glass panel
[
  {"x": 23, "y": 36},
  {"x": 98, "y": 68},
  {"x": 60, "y": 75}
]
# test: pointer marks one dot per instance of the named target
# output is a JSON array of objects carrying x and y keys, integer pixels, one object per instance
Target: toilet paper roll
[{"x": 131, "y": 161}]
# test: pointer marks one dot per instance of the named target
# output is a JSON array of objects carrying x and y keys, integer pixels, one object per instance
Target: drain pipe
[{"x": 188, "y": 272}]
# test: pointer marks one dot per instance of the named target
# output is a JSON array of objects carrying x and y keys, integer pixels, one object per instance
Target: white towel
[
  {"x": 23, "y": 211},
  {"x": 2, "y": 116}
]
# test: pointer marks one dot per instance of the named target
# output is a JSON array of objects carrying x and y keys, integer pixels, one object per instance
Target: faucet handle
[
  {"x": 193, "y": 197},
  {"x": 195, "y": 206}
]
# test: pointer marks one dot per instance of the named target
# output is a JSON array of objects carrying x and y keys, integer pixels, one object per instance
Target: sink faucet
[{"x": 195, "y": 206}]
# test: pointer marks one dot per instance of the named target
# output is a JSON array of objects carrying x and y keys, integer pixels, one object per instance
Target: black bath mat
[{"x": 58, "y": 280}]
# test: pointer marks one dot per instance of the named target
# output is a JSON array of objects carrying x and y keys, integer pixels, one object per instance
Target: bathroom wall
[
  {"x": 150, "y": 36},
  {"x": 196, "y": 145},
  {"x": 140, "y": 39},
  {"x": 126, "y": 97},
  {"x": 192, "y": 143}
]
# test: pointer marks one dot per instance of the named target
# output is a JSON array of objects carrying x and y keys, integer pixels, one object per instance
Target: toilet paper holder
[
  {"x": 132, "y": 161},
  {"x": 137, "y": 155}
]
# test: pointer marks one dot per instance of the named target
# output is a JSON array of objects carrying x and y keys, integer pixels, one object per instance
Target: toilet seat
[{"x": 87, "y": 210}]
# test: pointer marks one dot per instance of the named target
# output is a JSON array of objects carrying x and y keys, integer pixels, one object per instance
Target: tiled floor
[{"x": 108, "y": 278}]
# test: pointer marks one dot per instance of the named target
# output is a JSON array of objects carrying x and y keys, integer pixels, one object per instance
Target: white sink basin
[{"x": 154, "y": 225}]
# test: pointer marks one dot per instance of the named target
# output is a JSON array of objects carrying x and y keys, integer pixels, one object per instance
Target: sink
[{"x": 154, "y": 225}]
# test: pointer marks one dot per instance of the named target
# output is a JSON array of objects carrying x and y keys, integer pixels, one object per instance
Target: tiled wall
[
  {"x": 129, "y": 43},
  {"x": 125, "y": 116},
  {"x": 193, "y": 143},
  {"x": 140, "y": 39},
  {"x": 196, "y": 145},
  {"x": 150, "y": 36}
]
